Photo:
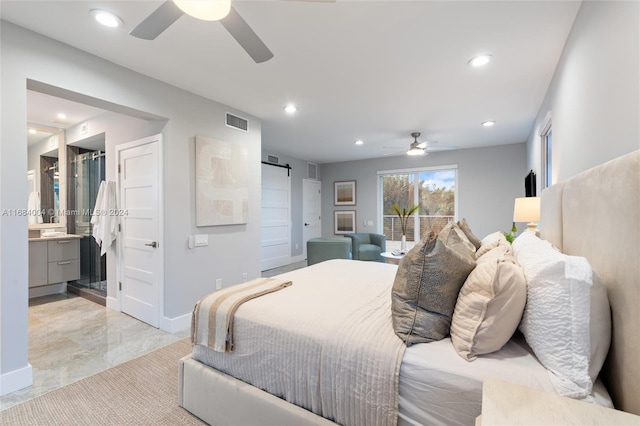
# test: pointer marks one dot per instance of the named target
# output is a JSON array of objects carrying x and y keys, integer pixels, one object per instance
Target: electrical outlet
[
  {"x": 244, "y": 277},
  {"x": 201, "y": 240},
  {"x": 218, "y": 283},
  {"x": 297, "y": 245}
]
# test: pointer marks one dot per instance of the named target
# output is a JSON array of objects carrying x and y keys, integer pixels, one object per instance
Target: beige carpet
[{"x": 143, "y": 391}]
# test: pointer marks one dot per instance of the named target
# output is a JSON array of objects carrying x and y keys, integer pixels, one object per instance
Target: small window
[{"x": 546, "y": 142}]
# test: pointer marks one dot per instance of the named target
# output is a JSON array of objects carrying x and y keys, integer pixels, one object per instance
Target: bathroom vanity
[{"x": 53, "y": 261}]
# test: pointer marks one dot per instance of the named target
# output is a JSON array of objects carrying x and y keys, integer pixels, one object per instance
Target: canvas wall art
[{"x": 222, "y": 184}]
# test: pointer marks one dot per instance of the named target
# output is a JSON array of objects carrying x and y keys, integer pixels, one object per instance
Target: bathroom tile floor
[{"x": 71, "y": 338}]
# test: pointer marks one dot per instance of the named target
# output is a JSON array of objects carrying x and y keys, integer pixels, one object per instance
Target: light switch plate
[{"x": 202, "y": 240}]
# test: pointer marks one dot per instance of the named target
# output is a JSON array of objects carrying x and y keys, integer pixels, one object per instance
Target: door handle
[
  {"x": 306, "y": 224},
  {"x": 152, "y": 244}
]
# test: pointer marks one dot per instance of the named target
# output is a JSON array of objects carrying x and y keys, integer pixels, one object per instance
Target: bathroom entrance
[{"x": 88, "y": 171}]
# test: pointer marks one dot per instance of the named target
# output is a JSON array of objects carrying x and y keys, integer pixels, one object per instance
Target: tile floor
[{"x": 71, "y": 338}]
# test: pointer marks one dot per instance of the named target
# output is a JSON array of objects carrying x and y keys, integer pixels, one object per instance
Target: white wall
[
  {"x": 594, "y": 97},
  {"x": 189, "y": 274},
  {"x": 489, "y": 179}
]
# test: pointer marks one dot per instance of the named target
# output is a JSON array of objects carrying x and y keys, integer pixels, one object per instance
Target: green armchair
[{"x": 367, "y": 246}]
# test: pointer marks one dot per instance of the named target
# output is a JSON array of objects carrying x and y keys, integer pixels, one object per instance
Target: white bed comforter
[{"x": 327, "y": 345}]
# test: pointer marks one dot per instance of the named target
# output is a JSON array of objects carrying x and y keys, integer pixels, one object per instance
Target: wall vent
[
  {"x": 237, "y": 122},
  {"x": 312, "y": 171},
  {"x": 273, "y": 159}
]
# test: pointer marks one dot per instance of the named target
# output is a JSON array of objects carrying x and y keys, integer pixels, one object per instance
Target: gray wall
[
  {"x": 489, "y": 179},
  {"x": 189, "y": 274},
  {"x": 594, "y": 97}
]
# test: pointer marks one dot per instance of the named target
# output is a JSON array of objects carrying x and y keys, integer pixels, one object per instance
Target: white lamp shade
[
  {"x": 527, "y": 209},
  {"x": 207, "y": 10}
]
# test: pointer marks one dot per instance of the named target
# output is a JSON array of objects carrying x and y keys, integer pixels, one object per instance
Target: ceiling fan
[
  {"x": 419, "y": 148},
  {"x": 209, "y": 10}
]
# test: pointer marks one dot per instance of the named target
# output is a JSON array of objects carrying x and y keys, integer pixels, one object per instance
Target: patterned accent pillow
[{"x": 427, "y": 283}]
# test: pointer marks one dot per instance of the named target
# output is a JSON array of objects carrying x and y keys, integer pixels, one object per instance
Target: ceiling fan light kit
[
  {"x": 206, "y": 10},
  {"x": 414, "y": 150}
]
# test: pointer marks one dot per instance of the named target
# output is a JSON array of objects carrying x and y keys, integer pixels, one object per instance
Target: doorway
[
  {"x": 140, "y": 248},
  {"x": 88, "y": 171},
  {"x": 311, "y": 211},
  {"x": 276, "y": 217}
]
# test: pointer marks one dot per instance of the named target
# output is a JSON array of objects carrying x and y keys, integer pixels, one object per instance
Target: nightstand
[{"x": 505, "y": 403}]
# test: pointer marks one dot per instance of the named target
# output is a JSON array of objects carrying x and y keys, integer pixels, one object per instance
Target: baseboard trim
[
  {"x": 174, "y": 325},
  {"x": 16, "y": 380},
  {"x": 112, "y": 303},
  {"x": 299, "y": 258},
  {"x": 47, "y": 290}
]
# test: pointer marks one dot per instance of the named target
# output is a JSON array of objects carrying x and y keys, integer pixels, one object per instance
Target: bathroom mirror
[{"x": 47, "y": 173}]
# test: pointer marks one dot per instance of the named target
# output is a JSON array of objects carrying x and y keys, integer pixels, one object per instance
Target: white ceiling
[
  {"x": 44, "y": 114},
  {"x": 370, "y": 70}
]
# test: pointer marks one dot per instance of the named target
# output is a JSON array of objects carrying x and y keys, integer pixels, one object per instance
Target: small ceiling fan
[
  {"x": 209, "y": 10},
  {"x": 419, "y": 148}
]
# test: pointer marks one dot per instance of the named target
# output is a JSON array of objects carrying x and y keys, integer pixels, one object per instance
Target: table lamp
[{"x": 527, "y": 209}]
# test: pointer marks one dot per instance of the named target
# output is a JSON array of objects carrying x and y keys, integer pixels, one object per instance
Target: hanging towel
[
  {"x": 95, "y": 219},
  {"x": 33, "y": 205},
  {"x": 105, "y": 219}
]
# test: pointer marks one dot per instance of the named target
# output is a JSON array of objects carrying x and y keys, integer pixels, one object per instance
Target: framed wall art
[
  {"x": 344, "y": 193},
  {"x": 344, "y": 221}
]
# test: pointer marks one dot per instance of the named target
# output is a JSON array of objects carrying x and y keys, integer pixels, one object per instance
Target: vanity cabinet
[{"x": 52, "y": 262}]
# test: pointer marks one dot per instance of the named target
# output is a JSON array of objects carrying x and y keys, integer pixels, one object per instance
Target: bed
[{"x": 594, "y": 214}]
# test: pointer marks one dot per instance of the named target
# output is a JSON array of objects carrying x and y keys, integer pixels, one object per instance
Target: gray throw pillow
[
  {"x": 427, "y": 284},
  {"x": 464, "y": 226}
]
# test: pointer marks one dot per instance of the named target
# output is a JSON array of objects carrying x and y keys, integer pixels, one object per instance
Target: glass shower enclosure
[{"x": 89, "y": 173}]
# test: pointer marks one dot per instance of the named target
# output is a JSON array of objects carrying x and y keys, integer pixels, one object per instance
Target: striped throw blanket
[{"x": 212, "y": 318}]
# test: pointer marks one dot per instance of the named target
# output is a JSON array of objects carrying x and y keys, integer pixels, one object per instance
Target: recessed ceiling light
[
  {"x": 107, "y": 19},
  {"x": 488, "y": 123},
  {"x": 290, "y": 109},
  {"x": 359, "y": 142},
  {"x": 33, "y": 131},
  {"x": 480, "y": 61},
  {"x": 62, "y": 116}
]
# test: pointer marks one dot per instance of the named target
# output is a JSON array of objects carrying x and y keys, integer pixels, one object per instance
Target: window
[
  {"x": 546, "y": 137},
  {"x": 433, "y": 189}
]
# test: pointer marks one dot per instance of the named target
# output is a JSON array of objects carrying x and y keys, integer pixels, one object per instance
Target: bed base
[{"x": 220, "y": 399}]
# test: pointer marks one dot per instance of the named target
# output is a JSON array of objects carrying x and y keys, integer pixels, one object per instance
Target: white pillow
[
  {"x": 567, "y": 320},
  {"x": 491, "y": 241}
]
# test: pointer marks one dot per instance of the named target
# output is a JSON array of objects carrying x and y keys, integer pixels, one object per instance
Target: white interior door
[
  {"x": 311, "y": 207},
  {"x": 276, "y": 217},
  {"x": 140, "y": 254}
]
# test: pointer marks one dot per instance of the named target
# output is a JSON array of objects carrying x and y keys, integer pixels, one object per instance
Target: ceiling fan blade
[
  {"x": 246, "y": 37},
  {"x": 159, "y": 20},
  {"x": 440, "y": 148}
]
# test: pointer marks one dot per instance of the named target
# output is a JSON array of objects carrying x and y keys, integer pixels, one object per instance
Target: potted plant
[{"x": 404, "y": 214}]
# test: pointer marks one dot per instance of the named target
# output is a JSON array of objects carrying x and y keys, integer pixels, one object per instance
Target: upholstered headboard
[{"x": 596, "y": 214}]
